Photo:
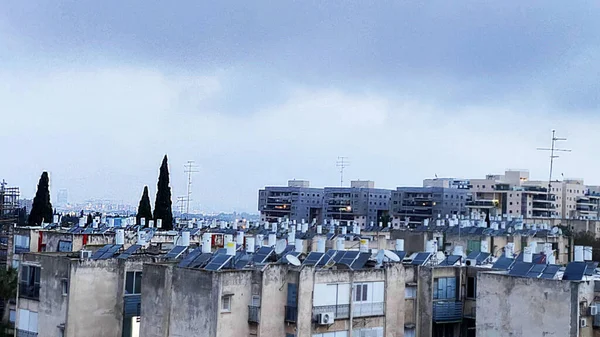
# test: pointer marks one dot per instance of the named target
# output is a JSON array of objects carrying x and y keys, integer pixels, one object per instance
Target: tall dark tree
[
  {"x": 41, "y": 210},
  {"x": 162, "y": 205},
  {"x": 144, "y": 208}
]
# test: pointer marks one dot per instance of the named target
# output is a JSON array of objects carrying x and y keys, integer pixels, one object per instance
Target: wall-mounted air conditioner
[
  {"x": 582, "y": 322},
  {"x": 326, "y": 318},
  {"x": 471, "y": 262},
  {"x": 85, "y": 254}
]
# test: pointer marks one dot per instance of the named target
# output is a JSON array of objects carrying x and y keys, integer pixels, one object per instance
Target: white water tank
[
  {"x": 426, "y": 222},
  {"x": 260, "y": 240},
  {"x": 185, "y": 239},
  {"x": 235, "y": 225},
  {"x": 274, "y": 228},
  {"x": 340, "y": 243},
  {"x": 55, "y": 219},
  {"x": 357, "y": 232},
  {"x": 111, "y": 222},
  {"x": 82, "y": 221},
  {"x": 533, "y": 247},
  {"x": 158, "y": 223},
  {"x": 579, "y": 256},
  {"x": 304, "y": 227},
  {"x": 141, "y": 238},
  {"x": 120, "y": 236},
  {"x": 319, "y": 229},
  {"x": 458, "y": 250},
  {"x": 250, "y": 244},
  {"x": 239, "y": 240},
  {"x": 400, "y": 245},
  {"x": 206, "y": 243},
  {"x": 291, "y": 237},
  {"x": 430, "y": 246},
  {"x": 321, "y": 245},
  {"x": 527, "y": 255},
  {"x": 230, "y": 248},
  {"x": 227, "y": 238},
  {"x": 509, "y": 250},
  {"x": 364, "y": 245},
  {"x": 344, "y": 230},
  {"x": 299, "y": 246},
  {"x": 272, "y": 240},
  {"x": 587, "y": 253},
  {"x": 438, "y": 222}
]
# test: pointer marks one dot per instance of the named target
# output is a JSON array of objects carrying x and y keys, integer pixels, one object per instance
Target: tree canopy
[
  {"x": 41, "y": 210},
  {"x": 144, "y": 208},
  {"x": 163, "y": 203}
]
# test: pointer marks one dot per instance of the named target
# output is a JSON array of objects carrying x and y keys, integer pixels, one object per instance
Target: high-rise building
[{"x": 297, "y": 201}]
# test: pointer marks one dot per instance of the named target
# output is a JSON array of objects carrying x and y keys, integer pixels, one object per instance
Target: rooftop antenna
[
  {"x": 552, "y": 150},
  {"x": 190, "y": 167},
  {"x": 342, "y": 163}
]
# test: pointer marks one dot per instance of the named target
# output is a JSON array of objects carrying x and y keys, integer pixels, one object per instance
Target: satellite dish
[
  {"x": 555, "y": 230},
  {"x": 280, "y": 246},
  {"x": 293, "y": 260},
  {"x": 391, "y": 255}
]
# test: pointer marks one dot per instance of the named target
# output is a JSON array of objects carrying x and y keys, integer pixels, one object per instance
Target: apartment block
[
  {"x": 360, "y": 203},
  {"x": 412, "y": 205},
  {"x": 296, "y": 202}
]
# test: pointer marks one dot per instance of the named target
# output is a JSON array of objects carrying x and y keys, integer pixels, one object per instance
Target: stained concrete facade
[
  {"x": 93, "y": 303},
  {"x": 516, "y": 306}
]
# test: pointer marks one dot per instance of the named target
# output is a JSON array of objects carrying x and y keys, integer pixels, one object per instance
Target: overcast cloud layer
[{"x": 260, "y": 92}]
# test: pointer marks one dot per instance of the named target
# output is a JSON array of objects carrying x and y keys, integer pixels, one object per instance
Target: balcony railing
[
  {"x": 291, "y": 314},
  {"x": 29, "y": 291},
  {"x": 24, "y": 333},
  {"x": 340, "y": 311},
  {"x": 447, "y": 311},
  {"x": 254, "y": 314},
  {"x": 367, "y": 309}
]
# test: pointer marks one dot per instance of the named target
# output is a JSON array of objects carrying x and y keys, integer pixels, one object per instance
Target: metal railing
[
  {"x": 340, "y": 311},
  {"x": 29, "y": 291},
  {"x": 253, "y": 314},
  {"x": 291, "y": 314},
  {"x": 24, "y": 333},
  {"x": 360, "y": 309},
  {"x": 444, "y": 311}
]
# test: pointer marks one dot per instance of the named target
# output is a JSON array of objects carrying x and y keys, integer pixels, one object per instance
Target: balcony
[
  {"x": 21, "y": 250},
  {"x": 29, "y": 291},
  {"x": 482, "y": 204},
  {"x": 340, "y": 311},
  {"x": 254, "y": 314},
  {"x": 447, "y": 312},
  {"x": 367, "y": 309},
  {"x": 24, "y": 333},
  {"x": 291, "y": 314}
]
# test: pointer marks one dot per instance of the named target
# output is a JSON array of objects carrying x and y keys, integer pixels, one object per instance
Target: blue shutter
[{"x": 292, "y": 295}]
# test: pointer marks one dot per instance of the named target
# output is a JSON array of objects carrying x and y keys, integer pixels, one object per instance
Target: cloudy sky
[{"x": 258, "y": 92}]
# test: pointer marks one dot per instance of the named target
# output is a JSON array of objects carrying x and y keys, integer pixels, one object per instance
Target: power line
[{"x": 342, "y": 163}]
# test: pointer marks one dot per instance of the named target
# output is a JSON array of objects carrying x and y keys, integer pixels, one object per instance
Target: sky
[{"x": 259, "y": 92}]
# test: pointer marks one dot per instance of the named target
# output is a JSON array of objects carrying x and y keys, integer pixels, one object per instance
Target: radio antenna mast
[
  {"x": 190, "y": 167},
  {"x": 342, "y": 163},
  {"x": 553, "y": 149}
]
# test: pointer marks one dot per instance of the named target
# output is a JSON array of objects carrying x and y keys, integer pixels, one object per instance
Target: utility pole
[
  {"x": 190, "y": 168},
  {"x": 553, "y": 149}
]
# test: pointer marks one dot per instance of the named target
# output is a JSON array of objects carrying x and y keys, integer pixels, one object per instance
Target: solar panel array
[
  {"x": 420, "y": 259},
  {"x": 575, "y": 271},
  {"x": 360, "y": 261},
  {"x": 218, "y": 262},
  {"x": 328, "y": 255},
  {"x": 190, "y": 257},
  {"x": 480, "y": 257},
  {"x": 348, "y": 257},
  {"x": 262, "y": 254},
  {"x": 503, "y": 263},
  {"x": 591, "y": 268},
  {"x": 101, "y": 252},
  {"x": 400, "y": 254},
  {"x": 313, "y": 258},
  {"x": 520, "y": 269},
  {"x": 176, "y": 252},
  {"x": 201, "y": 261},
  {"x": 130, "y": 251},
  {"x": 550, "y": 272},
  {"x": 536, "y": 270},
  {"x": 451, "y": 260}
]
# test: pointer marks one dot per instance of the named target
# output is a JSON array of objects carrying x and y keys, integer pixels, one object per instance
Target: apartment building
[
  {"x": 360, "y": 203},
  {"x": 296, "y": 202},
  {"x": 412, "y": 205}
]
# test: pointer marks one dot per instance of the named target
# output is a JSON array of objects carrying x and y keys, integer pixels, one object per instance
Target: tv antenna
[
  {"x": 190, "y": 167},
  {"x": 342, "y": 163},
  {"x": 553, "y": 149}
]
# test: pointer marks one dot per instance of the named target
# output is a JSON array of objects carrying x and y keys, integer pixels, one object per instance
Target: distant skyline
[{"x": 257, "y": 93}]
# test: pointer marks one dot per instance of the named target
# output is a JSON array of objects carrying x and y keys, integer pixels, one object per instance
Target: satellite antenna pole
[
  {"x": 190, "y": 168},
  {"x": 342, "y": 163},
  {"x": 552, "y": 150}
]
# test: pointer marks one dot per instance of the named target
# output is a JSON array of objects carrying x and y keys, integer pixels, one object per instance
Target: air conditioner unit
[
  {"x": 471, "y": 262},
  {"x": 326, "y": 318},
  {"x": 582, "y": 322},
  {"x": 85, "y": 254},
  {"x": 593, "y": 310}
]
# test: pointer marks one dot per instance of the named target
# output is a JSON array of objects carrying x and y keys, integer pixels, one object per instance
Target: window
[
  {"x": 360, "y": 292},
  {"x": 410, "y": 292},
  {"x": 444, "y": 288},
  {"x": 471, "y": 284},
  {"x": 21, "y": 243},
  {"x": 28, "y": 321},
  {"x": 332, "y": 334},
  {"x": 64, "y": 284},
  {"x": 226, "y": 303},
  {"x": 65, "y": 246},
  {"x": 133, "y": 283},
  {"x": 12, "y": 316},
  {"x": 255, "y": 300},
  {"x": 30, "y": 282},
  {"x": 410, "y": 332},
  {"x": 368, "y": 332}
]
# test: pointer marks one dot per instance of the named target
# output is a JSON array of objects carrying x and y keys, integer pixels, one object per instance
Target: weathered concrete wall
[
  {"x": 515, "y": 306},
  {"x": 273, "y": 299},
  {"x": 424, "y": 301},
  {"x": 156, "y": 300},
  {"x": 94, "y": 292},
  {"x": 394, "y": 300},
  {"x": 53, "y": 304},
  {"x": 238, "y": 284},
  {"x": 306, "y": 282},
  {"x": 195, "y": 303}
]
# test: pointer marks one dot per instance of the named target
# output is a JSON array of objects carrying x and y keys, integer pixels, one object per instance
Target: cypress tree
[
  {"x": 144, "y": 208},
  {"x": 162, "y": 205},
  {"x": 41, "y": 210}
]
